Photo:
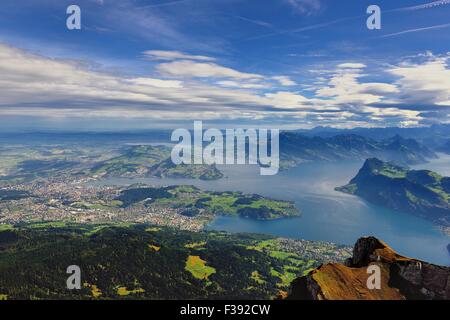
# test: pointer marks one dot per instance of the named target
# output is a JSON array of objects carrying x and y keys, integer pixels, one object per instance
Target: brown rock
[{"x": 401, "y": 277}]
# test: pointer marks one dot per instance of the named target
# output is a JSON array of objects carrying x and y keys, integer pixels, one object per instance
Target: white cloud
[
  {"x": 67, "y": 87},
  {"x": 345, "y": 87},
  {"x": 287, "y": 99},
  {"x": 243, "y": 85},
  {"x": 391, "y": 112},
  {"x": 186, "y": 68},
  {"x": 351, "y": 65},
  {"x": 157, "y": 83},
  {"x": 34, "y": 85},
  {"x": 377, "y": 88},
  {"x": 173, "y": 55},
  {"x": 427, "y": 82},
  {"x": 284, "y": 81}
]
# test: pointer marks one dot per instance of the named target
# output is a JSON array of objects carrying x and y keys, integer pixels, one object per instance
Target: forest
[{"x": 137, "y": 261}]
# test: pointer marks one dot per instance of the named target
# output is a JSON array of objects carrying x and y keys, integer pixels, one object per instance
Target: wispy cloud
[
  {"x": 305, "y": 6},
  {"x": 256, "y": 22},
  {"x": 164, "y": 4},
  {"x": 156, "y": 26},
  {"x": 428, "y": 5},
  {"x": 173, "y": 55},
  {"x": 440, "y": 26},
  {"x": 187, "y": 68},
  {"x": 306, "y": 28}
]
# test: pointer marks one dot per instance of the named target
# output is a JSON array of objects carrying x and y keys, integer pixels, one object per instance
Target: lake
[{"x": 327, "y": 215}]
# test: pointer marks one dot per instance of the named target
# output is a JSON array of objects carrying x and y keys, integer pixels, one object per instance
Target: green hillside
[
  {"x": 145, "y": 262},
  {"x": 421, "y": 192},
  {"x": 193, "y": 201}
]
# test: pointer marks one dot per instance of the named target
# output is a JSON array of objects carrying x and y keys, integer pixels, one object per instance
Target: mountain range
[
  {"x": 296, "y": 148},
  {"x": 445, "y": 148},
  {"x": 433, "y": 136}
]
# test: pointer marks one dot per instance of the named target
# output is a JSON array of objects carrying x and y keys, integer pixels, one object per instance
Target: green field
[
  {"x": 192, "y": 201},
  {"x": 198, "y": 268}
]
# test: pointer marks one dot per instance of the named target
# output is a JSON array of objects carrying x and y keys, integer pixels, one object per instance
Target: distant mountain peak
[{"x": 298, "y": 148}]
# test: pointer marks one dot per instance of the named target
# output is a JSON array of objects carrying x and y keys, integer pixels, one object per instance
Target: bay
[{"x": 327, "y": 215}]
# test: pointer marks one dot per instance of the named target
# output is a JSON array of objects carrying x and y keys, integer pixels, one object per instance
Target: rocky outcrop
[{"x": 401, "y": 278}]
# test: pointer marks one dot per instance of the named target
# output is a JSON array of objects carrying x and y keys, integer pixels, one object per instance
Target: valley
[
  {"x": 86, "y": 191},
  {"x": 128, "y": 197}
]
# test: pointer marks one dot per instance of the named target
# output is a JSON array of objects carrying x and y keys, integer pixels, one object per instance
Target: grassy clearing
[
  {"x": 4, "y": 227},
  {"x": 51, "y": 224},
  {"x": 257, "y": 277},
  {"x": 281, "y": 255},
  {"x": 286, "y": 276},
  {"x": 95, "y": 291},
  {"x": 265, "y": 244},
  {"x": 198, "y": 268},
  {"x": 154, "y": 247},
  {"x": 392, "y": 172},
  {"x": 195, "y": 245},
  {"x": 123, "y": 291},
  {"x": 292, "y": 267}
]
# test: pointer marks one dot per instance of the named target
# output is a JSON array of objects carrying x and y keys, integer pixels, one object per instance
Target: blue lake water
[{"x": 326, "y": 214}]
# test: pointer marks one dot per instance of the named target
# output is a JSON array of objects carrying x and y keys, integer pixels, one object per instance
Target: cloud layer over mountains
[{"x": 186, "y": 86}]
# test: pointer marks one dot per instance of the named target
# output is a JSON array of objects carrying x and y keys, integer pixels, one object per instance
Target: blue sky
[{"x": 278, "y": 63}]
